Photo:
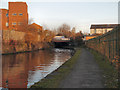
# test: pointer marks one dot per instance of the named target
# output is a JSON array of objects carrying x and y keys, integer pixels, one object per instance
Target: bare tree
[
  {"x": 64, "y": 29},
  {"x": 73, "y": 33}
]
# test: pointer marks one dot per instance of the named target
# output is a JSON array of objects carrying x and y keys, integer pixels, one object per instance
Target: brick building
[
  {"x": 101, "y": 28},
  {"x": 36, "y": 27},
  {"x": 4, "y": 19},
  {"x": 15, "y": 16}
]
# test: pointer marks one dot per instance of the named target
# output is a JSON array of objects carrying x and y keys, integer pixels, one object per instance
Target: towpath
[{"x": 85, "y": 74}]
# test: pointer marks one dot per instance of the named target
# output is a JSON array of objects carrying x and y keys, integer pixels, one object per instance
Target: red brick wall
[
  {"x": 4, "y": 19},
  {"x": 17, "y": 8}
]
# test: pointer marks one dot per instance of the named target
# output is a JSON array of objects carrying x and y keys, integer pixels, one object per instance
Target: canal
[{"x": 24, "y": 69}]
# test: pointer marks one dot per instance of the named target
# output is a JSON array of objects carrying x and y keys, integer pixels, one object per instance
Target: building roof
[
  {"x": 3, "y": 9},
  {"x": 35, "y": 26},
  {"x": 18, "y": 2},
  {"x": 103, "y": 26}
]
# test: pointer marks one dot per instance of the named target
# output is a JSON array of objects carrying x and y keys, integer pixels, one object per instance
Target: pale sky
[{"x": 75, "y": 13}]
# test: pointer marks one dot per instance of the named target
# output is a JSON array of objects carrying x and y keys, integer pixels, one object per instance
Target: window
[
  {"x": 7, "y": 15},
  {"x": 20, "y": 14},
  {"x": 6, "y": 24},
  {"x": 19, "y": 23},
  {"x": 14, "y": 23},
  {"x": 14, "y": 14}
]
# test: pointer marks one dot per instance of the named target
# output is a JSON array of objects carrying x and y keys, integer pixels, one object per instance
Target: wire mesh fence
[{"x": 108, "y": 45}]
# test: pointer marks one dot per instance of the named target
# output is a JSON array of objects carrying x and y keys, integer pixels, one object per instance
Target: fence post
[{"x": 118, "y": 43}]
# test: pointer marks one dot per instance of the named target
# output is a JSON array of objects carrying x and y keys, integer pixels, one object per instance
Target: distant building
[
  {"x": 60, "y": 39},
  {"x": 15, "y": 16},
  {"x": 101, "y": 28},
  {"x": 35, "y": 26},
  {"x": 87, "y": 37}
]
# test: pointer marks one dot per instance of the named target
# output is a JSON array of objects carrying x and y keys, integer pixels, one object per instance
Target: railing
[{"x": 108, "y": 45}]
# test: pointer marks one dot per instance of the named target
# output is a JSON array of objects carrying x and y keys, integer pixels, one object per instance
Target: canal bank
[
  {"x": 53, "y": 79},
  {"x": 24, "y": 48},
  {"x": 23, "y": 41}
]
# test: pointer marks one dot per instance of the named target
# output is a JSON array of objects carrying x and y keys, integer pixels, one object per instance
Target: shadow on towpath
[{"x": 85, "y": 73}]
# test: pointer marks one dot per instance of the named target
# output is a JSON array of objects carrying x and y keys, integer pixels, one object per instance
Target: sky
[{"x": 76, "y": 13}]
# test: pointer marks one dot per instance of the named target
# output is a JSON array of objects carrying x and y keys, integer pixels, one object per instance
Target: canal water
[{"x": 24, "y": 69}]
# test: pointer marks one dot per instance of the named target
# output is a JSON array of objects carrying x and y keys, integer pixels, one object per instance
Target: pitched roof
[
  {"x": 103, "y": 26},
  {"x": 34, "y": 25}
]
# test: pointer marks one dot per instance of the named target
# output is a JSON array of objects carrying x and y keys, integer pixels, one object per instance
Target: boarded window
[
  {"x": 19, "y": 23},
  {"x": 14, "y": 14}
]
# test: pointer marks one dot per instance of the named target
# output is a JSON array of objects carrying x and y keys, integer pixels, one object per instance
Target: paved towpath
[{"x": 85, "y": 74}]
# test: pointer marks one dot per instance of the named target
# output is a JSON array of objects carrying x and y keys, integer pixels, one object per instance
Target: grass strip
[
  {"x": 109, "y": 72},
  {"x": 53, "y": 80}
]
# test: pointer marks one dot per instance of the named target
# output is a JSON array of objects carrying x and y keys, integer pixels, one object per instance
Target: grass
[
  {"x": 110, "y": 74},
  {"x": 53, "y": 80}
]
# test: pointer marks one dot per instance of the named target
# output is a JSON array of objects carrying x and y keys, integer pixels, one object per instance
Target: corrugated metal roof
[{"x": 95, "y": 26}]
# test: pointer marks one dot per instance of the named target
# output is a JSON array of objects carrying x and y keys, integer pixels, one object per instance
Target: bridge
[{"x": 61, "y": 41}]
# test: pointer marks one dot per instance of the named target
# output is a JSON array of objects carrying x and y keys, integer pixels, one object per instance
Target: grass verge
[
  {"x": 110, "y": 74},
  {"x": 53, "y": 80}
]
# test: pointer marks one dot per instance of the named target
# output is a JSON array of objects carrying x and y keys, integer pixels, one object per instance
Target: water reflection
[{"x": 23, "y": 70}]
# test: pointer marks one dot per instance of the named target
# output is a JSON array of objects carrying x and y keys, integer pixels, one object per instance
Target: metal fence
[{"x": 108, "y": 45}]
